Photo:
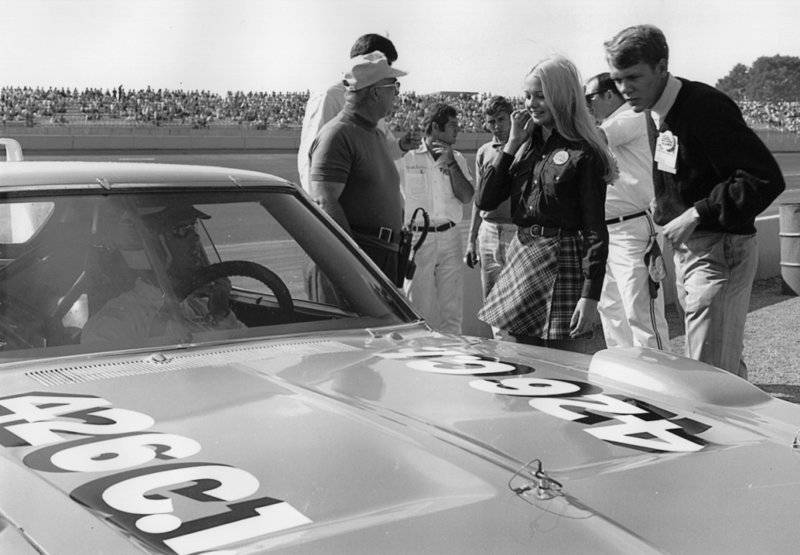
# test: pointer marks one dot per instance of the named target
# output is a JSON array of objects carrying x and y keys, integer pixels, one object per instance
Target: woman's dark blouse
[{"x": 548, "y": 190}]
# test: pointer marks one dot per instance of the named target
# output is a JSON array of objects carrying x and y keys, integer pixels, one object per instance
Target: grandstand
[{"x": 55, "y": 107}]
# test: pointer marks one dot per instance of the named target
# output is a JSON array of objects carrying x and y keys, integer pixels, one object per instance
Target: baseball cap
[{"x": 368, "y": 69}]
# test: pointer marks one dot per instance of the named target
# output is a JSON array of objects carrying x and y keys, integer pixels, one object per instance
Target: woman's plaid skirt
[{"x": 538, "y": 288}]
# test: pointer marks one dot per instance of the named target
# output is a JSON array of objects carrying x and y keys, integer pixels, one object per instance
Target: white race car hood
[{"x": 359, "y": 443}]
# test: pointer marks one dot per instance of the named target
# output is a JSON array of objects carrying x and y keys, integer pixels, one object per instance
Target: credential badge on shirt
[
  {"x": 666, "y": 155},
  {"x": 560, "y": 158}
]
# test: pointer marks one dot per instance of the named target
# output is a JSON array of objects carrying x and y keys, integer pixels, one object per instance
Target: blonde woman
[{"x": 554, "y": 168}]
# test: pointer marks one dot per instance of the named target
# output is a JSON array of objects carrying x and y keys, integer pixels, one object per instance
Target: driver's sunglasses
[{"x": 183, "y": 231}]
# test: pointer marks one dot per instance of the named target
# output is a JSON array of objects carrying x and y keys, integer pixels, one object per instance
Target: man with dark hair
[
  {"x": 436, "y": 178},
  {"x": 491, "y": 231},
  {"x": 352, "y": 176},
  {"x": 712, "y": 177},
  {"x": 631, "y": 308},
  {"x": 323, "y": 106},
  {"x": 372, "y": 42}
]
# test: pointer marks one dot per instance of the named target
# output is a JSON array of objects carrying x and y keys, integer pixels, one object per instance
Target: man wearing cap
[
  {"x": 436, "y": 178},
  {"x": 133, "y": 317},
  {"x": 631, "y": 307},
  {"x": 353, "y": 177},
  {"x": 324, "y": 106},
  {"x": 712, "y": 176}
]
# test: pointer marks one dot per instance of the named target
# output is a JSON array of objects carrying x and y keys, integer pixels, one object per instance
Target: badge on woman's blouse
[{"x": 560, "y": 157}]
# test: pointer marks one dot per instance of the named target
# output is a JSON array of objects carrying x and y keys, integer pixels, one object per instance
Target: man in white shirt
[
  {"x": 323, "y": 106},
  {"x": 437, "y": 178},
  {"x": 631, "y": 305}
]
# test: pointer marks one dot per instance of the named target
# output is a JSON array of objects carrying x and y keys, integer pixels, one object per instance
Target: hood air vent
[{"x": 182, "y": 360}]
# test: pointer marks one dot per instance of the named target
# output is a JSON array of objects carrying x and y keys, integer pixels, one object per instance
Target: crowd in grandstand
[
  {"x": 261, "y": 110},
  {"x": 778, "y": 115},
  {"x": 150, "y": 106}
]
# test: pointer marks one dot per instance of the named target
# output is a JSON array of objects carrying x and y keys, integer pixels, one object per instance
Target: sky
[{"x": 295, "y": 45}]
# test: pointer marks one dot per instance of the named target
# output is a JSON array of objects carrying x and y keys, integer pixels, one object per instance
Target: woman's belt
[{"x": 537, "y": 230}]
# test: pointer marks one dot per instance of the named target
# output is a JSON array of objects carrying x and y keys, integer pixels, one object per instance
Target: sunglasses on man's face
[
  {"x": 395, "y": 84},
  {"x": 183, "y": 231},
  {"x": 589, "y": 97}
]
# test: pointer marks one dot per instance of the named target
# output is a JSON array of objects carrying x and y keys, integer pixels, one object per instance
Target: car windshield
[{"x": 136, "y": 268}]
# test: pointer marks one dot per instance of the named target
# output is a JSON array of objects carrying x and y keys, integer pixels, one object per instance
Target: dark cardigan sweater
[{"x": 723, "y": 168}]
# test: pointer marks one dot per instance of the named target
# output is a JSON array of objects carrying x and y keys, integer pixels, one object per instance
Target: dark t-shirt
[{"x": 351, "y": 150}]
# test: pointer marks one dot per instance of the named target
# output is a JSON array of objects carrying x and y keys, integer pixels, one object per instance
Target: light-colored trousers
[
  {"x": 437, "y": 290},
  {"x": 714, "y": 275},
  {"x": 629, "y": 315},
  {"x": 493, "y": 241}
]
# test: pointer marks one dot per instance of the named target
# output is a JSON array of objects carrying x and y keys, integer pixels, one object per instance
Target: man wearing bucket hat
[
  {"x": 325, "y": 105},
  {"x": 353, "y": 177}
]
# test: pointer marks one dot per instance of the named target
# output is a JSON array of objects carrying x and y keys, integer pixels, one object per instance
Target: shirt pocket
[
  {"x": 555, "y": 177},
  {"x": 415, "y": 183}
]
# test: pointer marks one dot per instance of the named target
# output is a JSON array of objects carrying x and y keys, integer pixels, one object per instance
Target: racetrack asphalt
[{"x": 772, "y": 331}]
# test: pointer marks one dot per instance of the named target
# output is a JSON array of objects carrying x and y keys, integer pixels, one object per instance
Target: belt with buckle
[
  {"x": 433, "y": 228},
  {"x": 628, "y": 217},
  {"x": 537, "y": 230},
  {"x": 383, "y": 233}
]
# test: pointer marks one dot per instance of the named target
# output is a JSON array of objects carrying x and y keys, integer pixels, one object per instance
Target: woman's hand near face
[{"x": 521, "y": 129}]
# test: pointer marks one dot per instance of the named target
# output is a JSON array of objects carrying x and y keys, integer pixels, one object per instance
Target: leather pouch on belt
[{"x": 655, "y": 265}]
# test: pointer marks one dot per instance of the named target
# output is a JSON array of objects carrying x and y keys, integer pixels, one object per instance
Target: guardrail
[{"x": 229, "y": 137}]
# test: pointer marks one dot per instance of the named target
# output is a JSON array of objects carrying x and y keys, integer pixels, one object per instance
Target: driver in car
[{"x": 146, "y": 311}]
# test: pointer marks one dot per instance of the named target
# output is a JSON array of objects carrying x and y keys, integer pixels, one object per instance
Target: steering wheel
[{"x": 240, "y": 268}]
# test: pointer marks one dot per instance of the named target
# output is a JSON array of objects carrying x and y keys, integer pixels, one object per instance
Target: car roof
[{"x": 16, "y": 174}]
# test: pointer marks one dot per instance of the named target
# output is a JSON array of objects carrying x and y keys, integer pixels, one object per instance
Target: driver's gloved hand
[{"x": 218, "y": 293}]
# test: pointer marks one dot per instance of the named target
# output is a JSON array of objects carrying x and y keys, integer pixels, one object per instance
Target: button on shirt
[
  {"x": 632, "y": 191},
  {"x": 424, "y": 185}
]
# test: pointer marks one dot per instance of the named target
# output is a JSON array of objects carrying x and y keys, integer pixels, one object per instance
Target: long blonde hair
[{"x": 563, "y": 94}]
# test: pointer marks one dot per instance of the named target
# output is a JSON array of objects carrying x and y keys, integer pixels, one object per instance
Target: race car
[{"x": 197, "y": 359}]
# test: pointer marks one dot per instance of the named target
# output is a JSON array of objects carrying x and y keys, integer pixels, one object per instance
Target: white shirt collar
[
  {"x": 423, "y": 146},
  {"x": 663, "y": 105},
  {"x": 624, "y": 107}
]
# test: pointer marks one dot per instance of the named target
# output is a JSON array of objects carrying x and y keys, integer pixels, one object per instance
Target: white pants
[
  {"x": 630, "y": 317},
  {"x": 436, "y": 291}
]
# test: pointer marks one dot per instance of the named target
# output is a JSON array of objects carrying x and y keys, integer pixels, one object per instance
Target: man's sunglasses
[
  {"x": 589, "y": 97},
  {"x": 395, "y": 84},
  {"x": 183, "y": 231}
]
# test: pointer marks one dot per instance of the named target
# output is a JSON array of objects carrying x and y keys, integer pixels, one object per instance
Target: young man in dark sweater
[{"x": 712, "y": 176}]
